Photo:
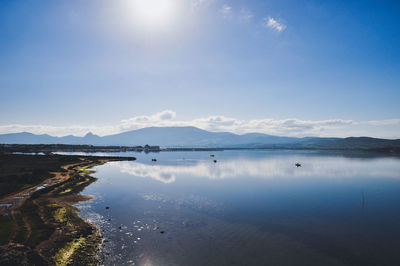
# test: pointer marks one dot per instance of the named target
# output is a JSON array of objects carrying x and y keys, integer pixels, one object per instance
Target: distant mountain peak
[{"x": 90, "y": 134}]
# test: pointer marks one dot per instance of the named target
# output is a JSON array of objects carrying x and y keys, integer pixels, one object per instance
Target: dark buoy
[
  {"x": 154, "y": 160},
  {"x": 107, "y": 207},
  {"x": 298, "y": 164},
  {"x": 162, "y": 232},
  {"x": 212, "y": 155},
  {"x": 215, "y": 161}
]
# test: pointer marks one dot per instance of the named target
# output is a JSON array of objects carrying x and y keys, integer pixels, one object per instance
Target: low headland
[{"x": 38, "y": 223}]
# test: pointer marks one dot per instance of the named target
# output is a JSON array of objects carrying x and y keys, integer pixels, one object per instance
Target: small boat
[
  {"x": 298, "y": 164},
  {"x": 215, "y": 161},
  {"x": 154, "y": 160},
  {"x": 212, "y": 155}
]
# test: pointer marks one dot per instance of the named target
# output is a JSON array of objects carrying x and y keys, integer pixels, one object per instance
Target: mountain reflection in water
[{"x": 249, "y": 208}]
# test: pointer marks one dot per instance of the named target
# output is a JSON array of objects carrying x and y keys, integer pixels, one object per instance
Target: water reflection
[
  {"x": 249, "y": 208},
  {"x": 266, "y": 168}
]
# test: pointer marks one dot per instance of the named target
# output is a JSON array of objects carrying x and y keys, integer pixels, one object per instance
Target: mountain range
[{"x": 183, "y": 137}]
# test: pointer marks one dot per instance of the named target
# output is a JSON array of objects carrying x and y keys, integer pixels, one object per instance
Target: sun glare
[{"x": 154, "y": 13}]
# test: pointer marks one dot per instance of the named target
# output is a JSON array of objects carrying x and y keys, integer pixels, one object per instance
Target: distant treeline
[
  {"x": 337, "y": 144},
  {"x": 49, "y": 148}
]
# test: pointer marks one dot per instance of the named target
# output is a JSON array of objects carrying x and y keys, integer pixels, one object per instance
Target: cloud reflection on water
[{"x": 266, "y": 168}]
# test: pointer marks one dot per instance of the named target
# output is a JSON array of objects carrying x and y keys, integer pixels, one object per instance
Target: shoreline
[
  {"x": 46, "y": 227},
  {"x": 46, "y": 149}
]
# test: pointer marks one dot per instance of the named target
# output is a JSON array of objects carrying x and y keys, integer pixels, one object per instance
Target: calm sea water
[{"x": 249, "y": 208}]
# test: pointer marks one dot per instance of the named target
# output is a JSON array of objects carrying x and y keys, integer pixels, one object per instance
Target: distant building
[{"x": 148, "y": 148}]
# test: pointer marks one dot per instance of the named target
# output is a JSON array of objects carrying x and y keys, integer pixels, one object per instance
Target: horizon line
[{"x": 237, "y": 134}]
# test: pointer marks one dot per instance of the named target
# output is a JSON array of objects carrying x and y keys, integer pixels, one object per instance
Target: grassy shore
[{"x": 41, "y": 226}]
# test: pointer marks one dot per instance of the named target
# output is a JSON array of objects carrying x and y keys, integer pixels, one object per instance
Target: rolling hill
[{"x": 181, "y": 137}]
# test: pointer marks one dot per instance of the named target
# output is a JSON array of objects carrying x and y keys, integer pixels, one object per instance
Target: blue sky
[{"x": 324, "y": 68}]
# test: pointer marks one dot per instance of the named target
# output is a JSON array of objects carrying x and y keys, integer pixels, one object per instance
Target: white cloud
[
  {"x": 144, "y": 121},
  {"x": 282, "y": 127},
  {"x": 271, "y": 23},
  {"x": 166, "y": 115}
]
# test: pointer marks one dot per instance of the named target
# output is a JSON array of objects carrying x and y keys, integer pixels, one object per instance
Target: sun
[{"x": 154, "y": 13}]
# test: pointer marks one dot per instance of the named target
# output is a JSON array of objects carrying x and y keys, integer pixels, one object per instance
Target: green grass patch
[
  {"x": 60, "y": 215},
  {"x": 64, "y": 255},
  {"x": 66, "y": 191}
]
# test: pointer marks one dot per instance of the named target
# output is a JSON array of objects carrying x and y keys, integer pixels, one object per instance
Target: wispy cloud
[
  {"x": 293, "y": 127},
  {"x": 388, "y": 122},
  {"x": 199, "y": 3},
  {"x": 245, "y": 14},
  {"x": 283, "y": 127},
  {"x": 271, "y": 23},
  {"x": 76, "y": 130},
  {"x": 226, "y": 11}
]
